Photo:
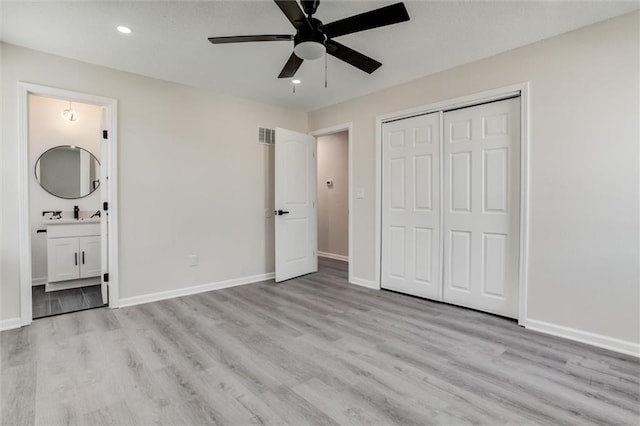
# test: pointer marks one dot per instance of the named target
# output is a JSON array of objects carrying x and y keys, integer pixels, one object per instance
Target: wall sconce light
[{"x": 70, "y": 114}]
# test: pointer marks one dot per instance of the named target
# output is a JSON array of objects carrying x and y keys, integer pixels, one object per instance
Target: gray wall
[{"x": 333, "y": 202}]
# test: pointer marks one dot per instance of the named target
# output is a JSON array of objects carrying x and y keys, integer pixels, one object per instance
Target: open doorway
[
  {"x": 333, "y": 198},
  {"x": 65, "y": 205},
  {"x": 68, "y": 197},
  {"x": 303, "y": 209}
]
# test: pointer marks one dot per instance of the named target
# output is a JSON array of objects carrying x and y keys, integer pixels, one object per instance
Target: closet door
[
  {"x": 411, "y": 206},
  {"x": 481, "y": 171}
]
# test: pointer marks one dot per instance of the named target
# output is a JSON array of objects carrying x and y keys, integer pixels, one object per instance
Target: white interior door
[
  {"x": 104, "y": 216},
  {"x": 411, "y": 206},
  {"x": 481, "y": 153},
  {"x": 296, "y": 216}
]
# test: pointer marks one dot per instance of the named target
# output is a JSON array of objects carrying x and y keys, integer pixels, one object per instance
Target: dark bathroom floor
[{"x": 64, "y": 301}]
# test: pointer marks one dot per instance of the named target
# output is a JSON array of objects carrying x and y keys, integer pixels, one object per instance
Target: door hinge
[
  {"x": 105, "y": 277},
  {"x": 105, "y": 134},
  {"x": 105, "y": 206}
]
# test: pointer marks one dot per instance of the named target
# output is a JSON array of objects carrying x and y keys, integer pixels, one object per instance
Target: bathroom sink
[{"x": 67, "y": 221}]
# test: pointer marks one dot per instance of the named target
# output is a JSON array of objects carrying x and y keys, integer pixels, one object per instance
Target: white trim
[
  {"x": 441, "y": 201},
  {"x": 38, "y": 281},
  {"x": 26, "y": 314},
  {"x": 111, "y": 108},
  {"x": 333, "y": 256},
  {"x": 521, "y": 89},
  {"x": 348, "y": 127},
  {"x": 525, "y": 178},
  {"x": 10, "y": 324},
  {"x": 378, "y": 195},
  {"x": 202, "y": 288},
  {"x": 599, "y": 340},
  {"x": 461, "y": 102},
  {"x": 364, "y": 283}
]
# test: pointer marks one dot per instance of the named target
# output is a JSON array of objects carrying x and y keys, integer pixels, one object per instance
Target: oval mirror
[{"x": 68, "y": 172}]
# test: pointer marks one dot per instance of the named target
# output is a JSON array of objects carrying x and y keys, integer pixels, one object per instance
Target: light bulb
[
  {"x": 70, "y": 114},
  {"x": 309, "y": 50}
]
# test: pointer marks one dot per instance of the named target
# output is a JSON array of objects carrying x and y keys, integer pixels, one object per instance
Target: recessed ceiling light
[
  {"x": 124, "y": 30},
  {"x": 296, "y": 81}
]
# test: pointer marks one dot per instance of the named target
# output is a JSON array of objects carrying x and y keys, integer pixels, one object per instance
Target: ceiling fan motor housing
[{"x": 309, "y": 41}]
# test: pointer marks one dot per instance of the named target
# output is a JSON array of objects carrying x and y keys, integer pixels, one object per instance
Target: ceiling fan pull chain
[{"x": 325, "y": 70}]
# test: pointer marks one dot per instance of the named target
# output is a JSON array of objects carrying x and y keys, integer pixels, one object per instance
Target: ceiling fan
[{"x": 313, "y": 38}]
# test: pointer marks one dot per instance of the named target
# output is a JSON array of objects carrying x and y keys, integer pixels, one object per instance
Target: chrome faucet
[{"x": 55, "y": 214}]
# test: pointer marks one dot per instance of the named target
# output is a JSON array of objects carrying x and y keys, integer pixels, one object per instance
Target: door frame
[
  {"x": 111, "y": 116},
  {"x": 518, "y": 89},
  {"x": 344, "y": 127}
]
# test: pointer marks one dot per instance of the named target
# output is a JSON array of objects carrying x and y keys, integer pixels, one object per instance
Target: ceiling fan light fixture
[{"x": 309, "y": 50}]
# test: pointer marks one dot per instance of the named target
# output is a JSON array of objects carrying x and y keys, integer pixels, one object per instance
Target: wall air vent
[{"x": 266, "y": 136}]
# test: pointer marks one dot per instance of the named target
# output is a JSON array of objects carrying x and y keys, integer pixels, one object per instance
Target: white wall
[
  {"x": 47, "y": 128},
  {"x": 584, "y": 243},
  {"x": 333, "y": 201},
  {"x": 192, "y": 178}
]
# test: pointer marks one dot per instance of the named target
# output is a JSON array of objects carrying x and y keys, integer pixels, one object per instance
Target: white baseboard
[
  {"x": 170, "y": 294},
  {"x": 364, "y": 283},
  {"x": 333, "y": 256},
  {"x": 617, "y": 345},
  {"x": 38, "y": 281},
  {"x": 10, "y": 324}
]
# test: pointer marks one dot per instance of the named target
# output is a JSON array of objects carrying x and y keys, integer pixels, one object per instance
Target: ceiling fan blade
[
  {"x": 291, "y": 67},
  {"x": 293, "y": 12},
  {"x": 365, "y": 21},
  {"x": 352, "y": 57},
  {"x": 249, "y": 38}
]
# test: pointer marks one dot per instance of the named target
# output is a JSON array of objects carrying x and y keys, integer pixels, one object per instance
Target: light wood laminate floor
[{"x": 314, "y": 350}]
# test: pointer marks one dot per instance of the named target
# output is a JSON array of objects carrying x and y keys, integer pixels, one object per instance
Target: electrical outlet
[{"x": 194, "y": 259}]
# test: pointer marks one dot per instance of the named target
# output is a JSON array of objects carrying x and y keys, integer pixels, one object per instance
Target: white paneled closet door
[
  {"x": 481, "y": 171},
  {"x": 411, "y": 206}
]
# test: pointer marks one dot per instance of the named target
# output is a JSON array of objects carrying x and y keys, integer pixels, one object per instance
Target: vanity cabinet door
[
  {"x": 90, "y": 260},
  {"x": 63, "y": 259}
]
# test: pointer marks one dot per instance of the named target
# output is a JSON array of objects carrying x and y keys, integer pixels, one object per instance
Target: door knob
[{"x": 280, "y": 212}]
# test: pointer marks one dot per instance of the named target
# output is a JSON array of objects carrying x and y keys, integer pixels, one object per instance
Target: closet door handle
[
  {"x": 83, "y": 257},
  {"x": 75, "y": 255}
]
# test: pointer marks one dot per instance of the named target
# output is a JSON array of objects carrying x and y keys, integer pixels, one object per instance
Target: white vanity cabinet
[{"x": 73, "y": 253}]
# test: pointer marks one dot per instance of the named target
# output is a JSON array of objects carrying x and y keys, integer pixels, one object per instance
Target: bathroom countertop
[{"x": 67, "y": 221}]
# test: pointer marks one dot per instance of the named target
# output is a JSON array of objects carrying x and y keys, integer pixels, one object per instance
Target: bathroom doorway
[
  {"x": 67, "y": 217},
  {"x": 64, "y": 199}
]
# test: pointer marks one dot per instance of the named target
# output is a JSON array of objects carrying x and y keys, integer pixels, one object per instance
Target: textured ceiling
[{"x": 169, "y": 40}]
